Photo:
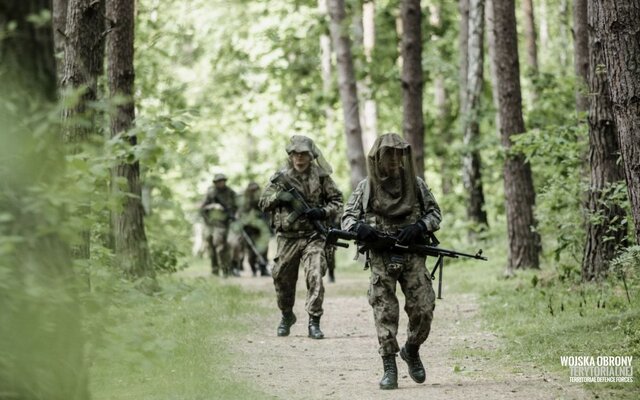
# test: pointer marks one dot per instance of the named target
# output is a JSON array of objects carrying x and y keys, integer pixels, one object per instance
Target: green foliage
[
  {"x": 538, "y": 318},
  {"x": 181, "y": 333}
]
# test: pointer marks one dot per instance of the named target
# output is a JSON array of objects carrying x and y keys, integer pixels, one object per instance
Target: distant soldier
[
  {"x": 396, "y": 202},
  {"x": 253, "y": 221},
  {"x": 298, "y": 241},
  {"x": 218, "y": 210}
]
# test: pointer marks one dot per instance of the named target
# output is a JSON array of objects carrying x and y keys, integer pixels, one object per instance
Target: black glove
[
  {"x": 410, "y": 233},
  {"x": 315, "y": 213},
  {"x": 365, "y": 232}
]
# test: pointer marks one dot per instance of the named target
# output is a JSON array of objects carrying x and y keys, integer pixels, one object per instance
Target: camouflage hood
[
  {"x": 393, "y": 194},
  {"x": 300, "y": 144}
]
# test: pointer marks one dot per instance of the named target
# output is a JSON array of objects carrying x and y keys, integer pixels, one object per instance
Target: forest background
[{"x": 102, "y": 175}]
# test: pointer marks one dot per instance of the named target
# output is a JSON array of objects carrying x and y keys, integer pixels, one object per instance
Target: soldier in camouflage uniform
[
  {"x": 298, "y": 241},
  {"x": 219, "y": 198},
  {"x": 252, "y": 220},
  {"x": 393, "y": 200}
]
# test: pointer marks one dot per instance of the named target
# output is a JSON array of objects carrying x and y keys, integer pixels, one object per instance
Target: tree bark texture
[
  {"x": 491, "y": 50},
  {"x": 83, "y": 46},
  {"x": 412, "y": 81},
  {"x": 83, "y": 59},
  {"x": 618, "y": 29},
  {"x": 471, "y": 173},
  {"x": 529, "y": 25},
  {"x": 606, "y": 233},
  {"x": 463, "y": 42},
  {"x": 581, "y": 53},
  {"x": 131, "y": 247},
  {"x": 58, "y": 24},
  {"x": 348, "y": 92},
  {"x": 524, "y": 241}
]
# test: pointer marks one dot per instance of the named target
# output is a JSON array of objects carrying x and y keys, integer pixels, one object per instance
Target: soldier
[
  {"x": 394, "y": 201},
  {"x": 298, "y": 240},
  {"x": 218, "y": 210},
  {"x": 252, "y": 220}
]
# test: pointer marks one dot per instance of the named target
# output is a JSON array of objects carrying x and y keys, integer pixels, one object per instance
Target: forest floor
[{"x": 460, "y": 356}]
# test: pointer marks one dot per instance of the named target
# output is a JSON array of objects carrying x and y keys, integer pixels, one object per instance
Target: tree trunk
[
  {"x": 443, "y": 131},
  {"x": 83, "y": 60},
  {"x": 491, "y": 49},
  {"x": 348, "y": 93},
  {"x": 59, "y": 25},
  {"x": 412, "y": 81},
  {"x": 463, "y": 42},
  {"x": 131, "y": 247},
  {"x": 370, "y": 109},
  {"x": 530, "y": 36},
  {"x": 606, "y": 232},
  {"x": 524, "y": 241},
  {"x": 581, "y": 53},
  {"x": 618, "y": 29},
  {"x": 471, "y": 174},
  {"x": 326, "y": 74}
]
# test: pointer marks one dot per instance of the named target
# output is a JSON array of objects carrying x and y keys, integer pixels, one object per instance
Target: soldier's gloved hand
[
  {"x": 284, "y": 197},
  {"x": 411, "y": 232},
  {"x": 316, "y": 213},
  {"x": 365, "y": 232}
]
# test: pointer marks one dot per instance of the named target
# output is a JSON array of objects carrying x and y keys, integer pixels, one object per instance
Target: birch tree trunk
[
  {"x": 412, "y": 81},
  {"x": 348, "y": 92},
  {"x": 131, "y": 247},
  {"x": 524, "y": 241},
  {"x": 471, "y": 174},
  {"x": 370, "y": 109},
  {"x": 605, "y": 232},
  {"x": 617, "y": 27}
]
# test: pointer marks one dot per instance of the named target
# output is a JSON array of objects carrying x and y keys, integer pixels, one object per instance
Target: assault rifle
[
  {"x": 301, "y": 207},
  {"x": 231, "y": 217},
  {"x": 388, "y": 243}
]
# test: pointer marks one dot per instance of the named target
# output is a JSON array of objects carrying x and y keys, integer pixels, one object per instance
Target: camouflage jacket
[
  {"x": 356, "y": 211},
  {"x": 214, "y": 205},
  {"x": 318, "y": 189}
]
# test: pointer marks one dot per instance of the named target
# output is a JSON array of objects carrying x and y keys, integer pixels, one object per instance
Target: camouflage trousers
[
  {"x": 219, "y": 250},
  {"x": 415, "y": 283},
  {"x": 293, "y": 252}
]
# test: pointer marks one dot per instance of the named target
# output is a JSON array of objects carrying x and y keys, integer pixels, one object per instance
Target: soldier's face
[
  {"x": 300, "y": 161},
  {"x": 220, "y": 184},
  {"x": 391, "y": 161}
]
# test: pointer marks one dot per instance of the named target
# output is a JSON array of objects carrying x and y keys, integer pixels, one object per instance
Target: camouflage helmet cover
[{"x": 219, "y": 177}]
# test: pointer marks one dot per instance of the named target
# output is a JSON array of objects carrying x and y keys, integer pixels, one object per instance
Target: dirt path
[{"x": 346, "y": 365}]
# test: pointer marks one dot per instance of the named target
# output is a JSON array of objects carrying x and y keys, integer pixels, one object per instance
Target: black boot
[
  {"x": 288, "y": 319},
  {"x": 390, "y": 378},
  {"x": 409, "y": 353},
  {"x": 314, "y": 328}
]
